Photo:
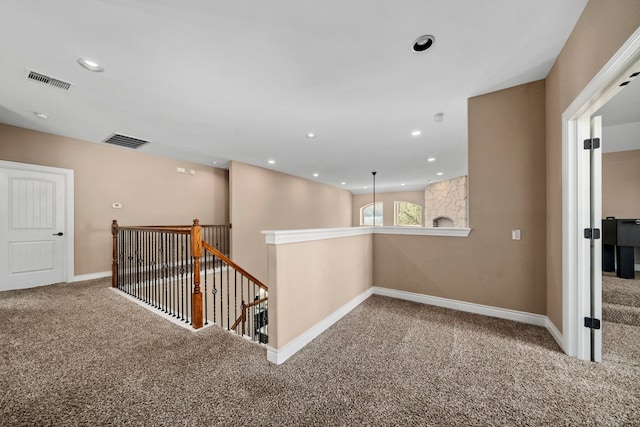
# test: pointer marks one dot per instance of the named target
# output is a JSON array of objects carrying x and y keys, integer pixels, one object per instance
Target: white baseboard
[
  {"x": 160, "y": 313},
  {"x": 279, "y": 356},
  {"x": 91, "y": 276},
  {"x": 502, "y": 313},
  {"x": 555, "y": 333}
]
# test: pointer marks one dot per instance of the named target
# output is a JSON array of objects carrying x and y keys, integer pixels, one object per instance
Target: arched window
[
  {"x": 367, "y": 214},
  {"x": 408, "y": 214}
]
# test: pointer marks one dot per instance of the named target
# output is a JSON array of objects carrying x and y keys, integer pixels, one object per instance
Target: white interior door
[
  {"x": 596, "y": 244},
  {"x": 32, "y": 226}
]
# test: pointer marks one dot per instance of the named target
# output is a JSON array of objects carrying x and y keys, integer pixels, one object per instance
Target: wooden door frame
[
  {"x": 575, "y": 194},
  {"x": 69, "y": 255}
]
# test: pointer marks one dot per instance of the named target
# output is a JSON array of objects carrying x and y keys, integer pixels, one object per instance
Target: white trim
[
  {"x": 161, "y": 313},
  {"x": 69, "y": 207},
  {"x": 424, "y": 231},
  {"x": 485, "y": 310},
  {"x": 279, "y": 356},
  {"x": 555, "y": 333},
  {"x": 574, "y": 121},
  {"x": 91, "y": 276},
  {"x": 281, "y": 237}
]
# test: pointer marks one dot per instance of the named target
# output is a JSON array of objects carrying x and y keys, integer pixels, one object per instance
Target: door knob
[{"x": 58, "y": 234}]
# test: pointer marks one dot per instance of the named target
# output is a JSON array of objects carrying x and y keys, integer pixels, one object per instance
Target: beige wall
[
  {"x": 261, "y": 199},
  {"x": 621, "y": 184},
  {"x": 148, "y": 187},
  {"x": 603, "y": 27},
  {"x": 388, "y": 199},
  {"x": 506, "y": 191},
  {"x": 311, "y": 280}
]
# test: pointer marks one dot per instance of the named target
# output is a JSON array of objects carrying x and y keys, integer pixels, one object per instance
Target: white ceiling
[{"x": 246, "y": 80}]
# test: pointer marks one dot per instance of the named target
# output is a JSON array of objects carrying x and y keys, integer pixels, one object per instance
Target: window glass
[
  {"x": 367, "y": 214},
  {"x": 408, "y": 214}
]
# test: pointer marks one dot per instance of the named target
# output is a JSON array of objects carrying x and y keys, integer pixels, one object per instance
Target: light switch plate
[{"x": 515, "y": 234}]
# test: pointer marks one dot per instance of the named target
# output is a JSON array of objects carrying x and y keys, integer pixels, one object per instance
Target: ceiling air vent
[
  {"x": 49, "y": 81},
  {"x": 125, "y": 141}
]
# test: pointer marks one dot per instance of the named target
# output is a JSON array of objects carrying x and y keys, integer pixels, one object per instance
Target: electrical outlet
[
  {"x": 181, "y": 170},
  {"x": 117, "y": 205}
]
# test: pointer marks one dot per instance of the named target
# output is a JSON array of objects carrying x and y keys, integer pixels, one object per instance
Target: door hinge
[
  {"x": 591, "y": 233},
  {"x": 591, "y": 143},
  {"x": 590, "y": 322}
]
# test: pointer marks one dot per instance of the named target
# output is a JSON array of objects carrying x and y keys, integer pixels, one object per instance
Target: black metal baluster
[
  {"x": 206, "y": 317},
  {"x": 165, "y": 271},
  {"x": 130, "y": 262},
  {"x": 242, "y": 292},
  {"x": 235, "y": 294},
  {"x": 214, "y": 290},
  {"x": 191, "y": 285},
  {"x": 221, "y": 299}
]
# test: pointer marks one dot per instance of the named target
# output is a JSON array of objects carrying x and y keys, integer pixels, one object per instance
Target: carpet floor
[
  {"x": 80, "y": 354},
  {"x": 621, "y": 299}
]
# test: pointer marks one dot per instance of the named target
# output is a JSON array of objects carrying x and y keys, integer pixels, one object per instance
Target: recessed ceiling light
[
  {"x": 271, "y": 162},
  {"x": 214, "y": 163},
  {"x": 90, "y": 65},
  {"x": 423, "y": 43},
  {"x": 431, "y": 159},
  {"x": 430, "y": 181},
  {"x": 41, "y": 115},
  {"x": 439, "y": 174},
  {"x": 315, "y": 174},
  {"x": 365, "y": 187},
  {"x": 402, "y": 184},
  {"x": 438, "y": 117},
  {"x": 416, "y": 133},
  {"x": 311, "y": 135},
  {"x": 343, "y": 183}
]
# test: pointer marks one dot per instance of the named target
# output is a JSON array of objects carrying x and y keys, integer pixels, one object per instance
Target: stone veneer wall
[{"x": 447, "y": 199}]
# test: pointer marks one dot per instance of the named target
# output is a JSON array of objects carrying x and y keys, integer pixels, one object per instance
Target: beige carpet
[
  {"x": 621, "y": 299},
  {"x": 80, "y": 354}
]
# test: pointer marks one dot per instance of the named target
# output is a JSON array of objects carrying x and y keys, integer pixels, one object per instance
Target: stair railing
[{"x": 176, "y": 270}]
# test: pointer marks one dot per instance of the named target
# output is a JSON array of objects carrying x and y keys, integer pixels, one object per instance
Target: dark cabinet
[{"x": 619, "y": 237}]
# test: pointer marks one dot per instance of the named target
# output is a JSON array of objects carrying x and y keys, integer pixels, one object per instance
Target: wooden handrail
[
  {"x": 243, "y": 316},
  {"x": 235, "y": 266},
  {"x": 256, "y": 302},
  {"x": 179, "y": 230}
]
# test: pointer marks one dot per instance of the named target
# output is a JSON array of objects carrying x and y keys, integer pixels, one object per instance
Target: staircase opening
[{"x": 185, "y": 272}]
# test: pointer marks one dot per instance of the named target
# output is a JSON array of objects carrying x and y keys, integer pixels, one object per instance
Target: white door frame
[
  {"x": 575, "y": 194},
  {"x": 69, "y": 268}
]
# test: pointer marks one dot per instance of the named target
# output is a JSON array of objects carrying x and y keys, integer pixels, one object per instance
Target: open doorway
[
  {"x": 582, "y": 259},
  {"x": 621, "y": 213}
]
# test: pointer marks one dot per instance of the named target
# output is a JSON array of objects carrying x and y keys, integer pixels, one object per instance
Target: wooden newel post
[
  {"x": 196, "y": 296},
  {"x": 114, "y": 262}
]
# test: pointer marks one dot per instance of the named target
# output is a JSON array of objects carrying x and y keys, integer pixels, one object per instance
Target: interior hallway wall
[
  {"x": 621, "y": 184},
  {"x": 506, "y": 191},
  {"x": 601, "y": 30},
  {"x": 148, "y": 187},
  {"x": 262, "y": 199}
]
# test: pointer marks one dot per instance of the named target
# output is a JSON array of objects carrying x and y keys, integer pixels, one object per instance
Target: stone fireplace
[{"x": 446, "y": 203}]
